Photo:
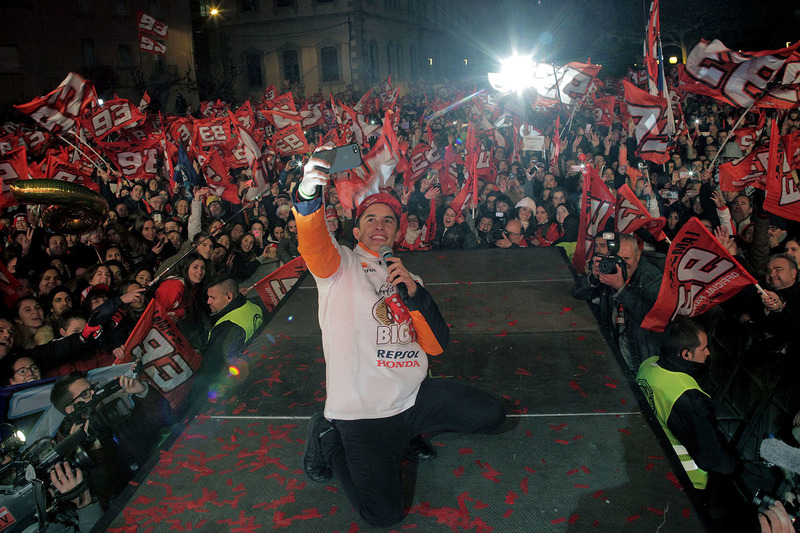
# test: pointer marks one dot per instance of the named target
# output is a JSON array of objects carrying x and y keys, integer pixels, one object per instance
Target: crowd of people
[{"x": 79, "y": 296}]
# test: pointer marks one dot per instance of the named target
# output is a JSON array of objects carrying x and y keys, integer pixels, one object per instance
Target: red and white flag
[
  {"x": 170, "y": 362},
  {"x": 290, "y": 140},
  {"x": 699, "y": 273},
  {"x": 252, "y": 152},
  {"x": 218, "y": 177},
  {"x": 8, "y": 286},
  {"x": 740, "y": 78},
  {"x": 13, "y": 167},
  {"x": 651, "y": 48},
  {"x": 135, "y": 160},
  {"x": 151, "y": 46},
  {"x": 631, "y": 215},
  {"x": 573, "y": 81},
  {"x": 112, "y": 116},
  {"x": 215, "y": 131},
  {"x": 651, "y": 116},
  {"x": 604, "y": 111},
  {"x": 275, "y": 286},
  {"x": 597, "y": 206},
  {"x": 152, "y": 26},
  {"x": 59, "y": 110}
]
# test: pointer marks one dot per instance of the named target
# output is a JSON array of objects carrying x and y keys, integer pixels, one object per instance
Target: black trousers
[{"x": 366, "y": 461}]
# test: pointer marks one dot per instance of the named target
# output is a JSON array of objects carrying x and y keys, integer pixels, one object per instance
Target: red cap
[
  {"x": 380, "y": 198},
  {"x": 331, "y": 213}
]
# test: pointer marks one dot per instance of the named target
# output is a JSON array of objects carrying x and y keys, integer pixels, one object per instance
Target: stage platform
[{"x": 577, "y": 453}]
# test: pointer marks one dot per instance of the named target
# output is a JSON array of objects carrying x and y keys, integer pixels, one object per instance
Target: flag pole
[{"x": 81, "y": 152}]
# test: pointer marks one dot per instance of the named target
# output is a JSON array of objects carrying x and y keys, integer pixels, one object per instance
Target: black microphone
[{"x": 386, "y": 252}]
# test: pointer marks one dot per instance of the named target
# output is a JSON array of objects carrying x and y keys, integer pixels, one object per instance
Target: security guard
[
  {"x": 682, "y": 408},
  {"x": 237, "y": 321}
]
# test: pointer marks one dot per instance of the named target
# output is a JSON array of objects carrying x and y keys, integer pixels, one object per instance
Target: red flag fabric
[
  {"x": 699, "y": 273},
  {"x": 150, "y": 25},
  {"x": 135, "y": 160},
  {"x": 783, "y": 197},
  {"x": 750, "y": 170},
  {"x": 422, "y": 157},
  {"x": 604, "y": 111},
  {"x": 746, "y": 137},
  {"x": 218, "y": 177},
  {"x": 151, "y": 46},
  {"x": 772, "y": 160},
  {"x": 274, "y": 287},
  {"x": 180, "y": 130},
  {"x": 573, "y": 81},
  {"x": 112, "y": 116},
  {"x": 462, "y": 200},
  {"x": 631, "y": 215},
  {"x": 59, "y": 110},
  {"x": 252, "y": 153},
  {"x": 430, "y": 223},
  {"x": 650, "y": 115},
  {"x": 58, "y": 169},
  {"x": 290, "y": 140},
  {"x": 597, "y": 205},
  {"x": 739, "y": 78},
  {"x": 652, "y": 37},
  {"x": 448, "y": 176},
  {"x": 13, "y": 167},
  {"x": 170, "y": 362},
  {"x": 213, "y": 132}
]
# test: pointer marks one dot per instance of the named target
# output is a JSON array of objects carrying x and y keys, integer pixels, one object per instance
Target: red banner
[
  {"x": 598, "y": 205},
  {"x": 631, "y": 215},
  {"x": 274, "y": 287},
  {"x": 218, "y": 177},
  {"x": 252, "y": 154},
  {"x": 739, "y": 78},
  {"x": 604, "y": 111},
  {"x": 170, "y": 362},
  {"x": 59, "y": 110},
  {"x": 783, "y": 197},
  {"x": 698, "y": 274},
  {"x": 151, "y": 46},
  {"x": 112, "y": 116},
  {"x": 650, "y": 115},
  {"x": 290, "y": 140},
  {"x": 181, "y": 130},
  {"x": 13, "y": 167},
  {"x": 8, "y": 286},
  {"x": 151, "y": 25},
  {"x": 135, "y": 160},
  {"x": 58, "y": 169}
]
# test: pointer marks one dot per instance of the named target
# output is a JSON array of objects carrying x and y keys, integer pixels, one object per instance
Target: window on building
[
  {"x": 121, "y": 8},
  {"x": 412, "y": 54},
  {"x": 255, "y": 76},
  {"x": 125, "y": 56},
  {"x": 390, "y": 58},
  {"x": 373, "y": 60},
  {"x": 155, "y": 8},
  {"x": 291, "y": 66},
  {"x": 329, "y": 57},
  {"x": 248, "y": 5},
  {"x": 398, "y": 52},
  {"x": 87, "y": 50},
  {"x": 284, "y": 3},
  {"x": 159, "y": 64}
]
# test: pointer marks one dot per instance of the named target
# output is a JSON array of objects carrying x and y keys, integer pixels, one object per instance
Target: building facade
[
  {"x": 327, "y": 46},
  {"x": 43, "y": 40}
]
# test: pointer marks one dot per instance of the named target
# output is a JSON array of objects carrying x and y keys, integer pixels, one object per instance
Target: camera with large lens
[
  {"x": 608, "y": 264},
  {"x": 764, "y": 500},
  {"x": 25, "y": 476}
]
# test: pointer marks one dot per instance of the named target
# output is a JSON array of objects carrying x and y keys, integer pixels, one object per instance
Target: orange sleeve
[
  {"x": 316, "y": 245},
  {"x": 425, "y": 335}
]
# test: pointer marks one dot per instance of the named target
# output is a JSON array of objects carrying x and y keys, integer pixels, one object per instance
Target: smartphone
[{"x": 341, "y": 158}]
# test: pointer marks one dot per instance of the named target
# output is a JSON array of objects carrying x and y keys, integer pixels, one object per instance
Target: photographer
[
  {"x": 116, "y": 443},
  {"x": 625, "y": 286}
]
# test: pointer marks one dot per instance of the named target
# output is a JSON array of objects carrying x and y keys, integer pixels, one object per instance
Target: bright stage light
[
  {"x": 673, "y": 60},
  {"x": 516, "y": 74}
]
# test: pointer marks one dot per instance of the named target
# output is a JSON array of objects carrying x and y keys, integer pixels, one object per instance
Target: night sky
[{"x": 611, "y": 31}]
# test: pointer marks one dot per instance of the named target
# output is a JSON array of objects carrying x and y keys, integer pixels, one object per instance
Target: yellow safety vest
[
  {"x": 662, "y": 388},
  {"x": 248, "y": 316}
]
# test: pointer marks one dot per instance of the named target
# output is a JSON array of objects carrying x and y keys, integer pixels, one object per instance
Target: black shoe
[
  {"x": 419, "y": 449},
  {"x": 314, "y": 464}
]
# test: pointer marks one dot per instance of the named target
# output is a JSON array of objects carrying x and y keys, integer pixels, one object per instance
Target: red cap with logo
[{"x": 380, "y": 198}]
